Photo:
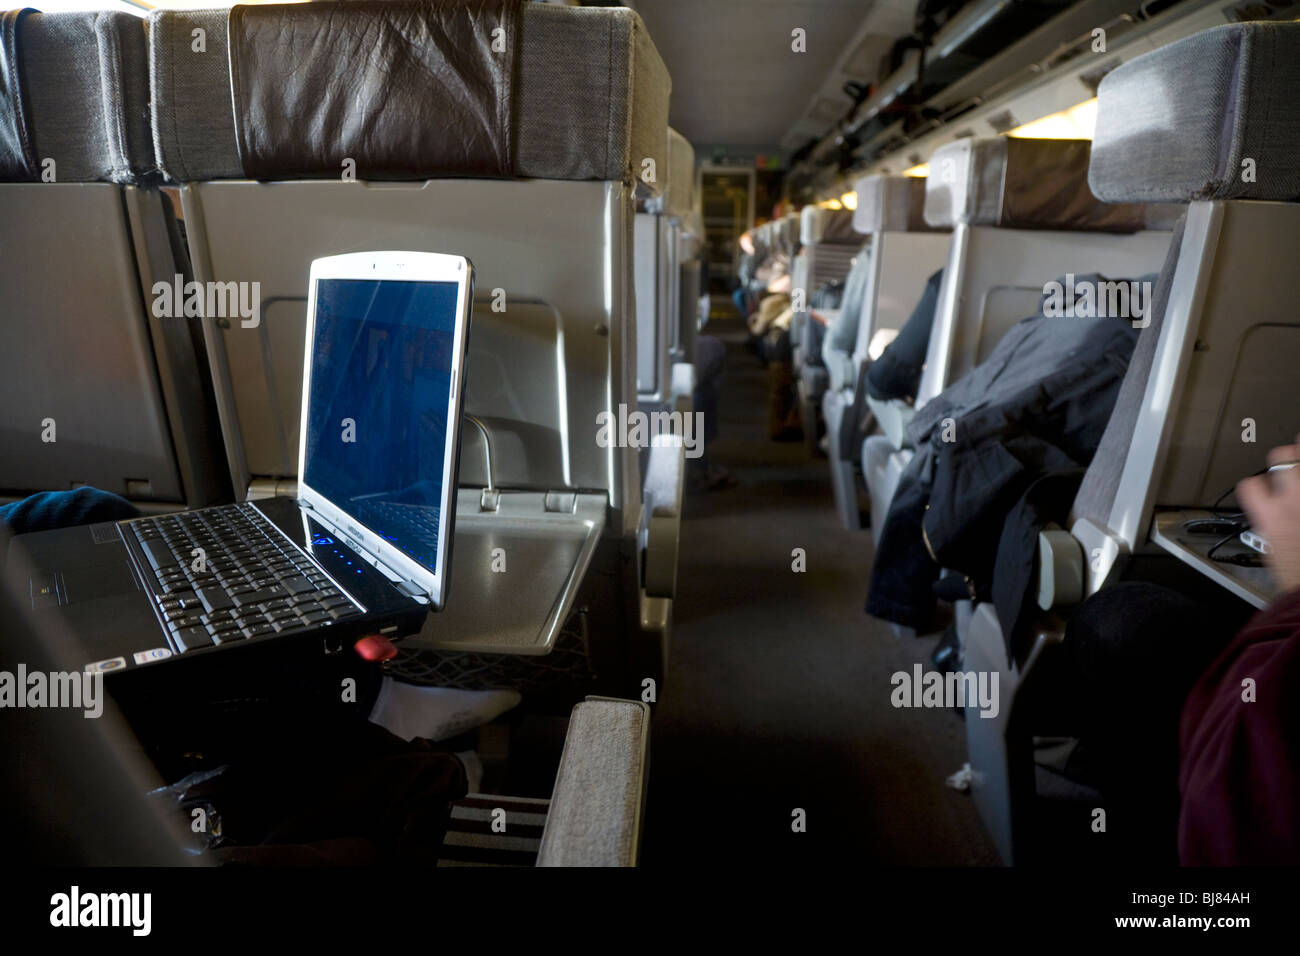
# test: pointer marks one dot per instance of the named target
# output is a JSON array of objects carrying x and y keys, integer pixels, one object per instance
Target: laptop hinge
[
  {"x": 272, "y": 488},
  {"x": 411, "y": 589}
]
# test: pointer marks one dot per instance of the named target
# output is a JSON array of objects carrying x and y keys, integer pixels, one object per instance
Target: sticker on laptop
[
  {"x": 112, "y": 664},
  {"x": 157, "y": 654}
]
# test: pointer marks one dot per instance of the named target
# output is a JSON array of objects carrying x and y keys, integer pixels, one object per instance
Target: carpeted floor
[{"x": 778, "y": 692}]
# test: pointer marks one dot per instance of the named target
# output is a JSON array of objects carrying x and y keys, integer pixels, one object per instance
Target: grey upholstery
[
  {"x": 890, "y": 204},
  {"x": 679, "y": 195},
  {"x": 83, "y": 78},
  {"x": 1177, "y": 123},
  {"x": 193, "y": 121},
  {"x": 1021, "y": 184},
  {"x": 1101, "y": 481},
  {"x": 595, "y": 813},
  {"x": 592, "y": 97}
]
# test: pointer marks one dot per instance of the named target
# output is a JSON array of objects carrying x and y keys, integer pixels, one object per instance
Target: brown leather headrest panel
[
  {"x": 407, "y": 89},
  {"x": 1046, "y": 186},
  {"x": 1021, "y": 184}
]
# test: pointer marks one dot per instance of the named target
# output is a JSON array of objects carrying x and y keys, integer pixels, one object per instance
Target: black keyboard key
[
  {"x": 269, "y": 593},
  {"x": 214, "y": 599},
  {"x": 297, "y": 585},
  {"x": 228, "y": 637},
  {"x": 190, "y": 601},
  {"x": 339, "y": 613},
  {"x": 257, "y": 630},
  {"x": 315, "y": 617},
  {"x": 159, "y": 555},
  {"x": 191, "y": 638}
]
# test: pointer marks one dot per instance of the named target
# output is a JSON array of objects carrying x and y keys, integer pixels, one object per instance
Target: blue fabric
[
  {"x": 64, "y": 509},
  {"x": 897, "y": 373}
]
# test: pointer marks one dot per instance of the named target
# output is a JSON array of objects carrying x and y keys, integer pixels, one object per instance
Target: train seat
[
  {"x": 538, "y": 191},
  {"x": 1211, "y": 370},
  {"x": 107, "y": 389},
  {"x": 1022, "y": 215},
  {"x": 902, "y": 251}
]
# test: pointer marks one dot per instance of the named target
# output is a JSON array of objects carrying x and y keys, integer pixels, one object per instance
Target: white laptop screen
[{"x": 377, "y": 413}]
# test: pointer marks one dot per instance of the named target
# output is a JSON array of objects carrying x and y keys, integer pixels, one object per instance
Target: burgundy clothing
[{"x": 1240, "y": 761}]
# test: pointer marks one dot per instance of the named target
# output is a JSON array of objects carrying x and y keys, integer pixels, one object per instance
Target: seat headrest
[
  {"x": 408, "y": 89},
  {"x": 1212, "y": 116},
  {"x": 1020, "y": 184},
  {"x": 679, "y": 196},
  {"x": 833, "y": 226},
  {"x": 74, "y": 98},
  {"x": 891, "y": 204}
]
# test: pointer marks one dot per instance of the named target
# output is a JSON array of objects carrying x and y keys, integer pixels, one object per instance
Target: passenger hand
[{"x": 1272, "y": 502}]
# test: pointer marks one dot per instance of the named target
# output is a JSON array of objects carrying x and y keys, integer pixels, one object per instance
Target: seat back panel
[
  {"x": 995, "y": 276},
  {"x": 84, "y": 324},
  {"x": 559, "y": 264}
]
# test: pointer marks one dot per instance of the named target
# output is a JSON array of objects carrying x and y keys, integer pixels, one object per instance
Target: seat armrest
[
  {"x": 893, "y": 417},
  {"x": 596, "y": 806},
  {"x": 662, "y": 497},
  {"x": 1062, "y": 567}
]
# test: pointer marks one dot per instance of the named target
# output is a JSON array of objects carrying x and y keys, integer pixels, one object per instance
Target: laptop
[{"x": 364, "y": 548}]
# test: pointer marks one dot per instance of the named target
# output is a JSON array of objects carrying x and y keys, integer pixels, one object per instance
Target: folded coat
[{"x": 1038, "y": 404}]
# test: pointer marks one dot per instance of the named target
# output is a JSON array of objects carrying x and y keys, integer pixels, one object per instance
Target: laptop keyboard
[{"x": 251, "y": 582}]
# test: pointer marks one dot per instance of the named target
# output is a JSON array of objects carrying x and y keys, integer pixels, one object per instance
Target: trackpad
[{"x": 92, "y": 584}]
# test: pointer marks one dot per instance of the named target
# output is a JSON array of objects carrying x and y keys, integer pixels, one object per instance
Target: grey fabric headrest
[
  {"x": 679, "y": 194},
  {"x": 891, "y": 204},
  {"x": 75, "y": 99},
  {"x": 1212, "y": 116}
]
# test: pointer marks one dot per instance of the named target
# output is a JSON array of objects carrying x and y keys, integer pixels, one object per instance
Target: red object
[
  {"x": 375, "y": 648},
  {"x": 1240, "y": 773}
]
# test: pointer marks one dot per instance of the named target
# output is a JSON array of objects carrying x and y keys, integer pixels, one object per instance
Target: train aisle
[{"x": 778, "y": 695}]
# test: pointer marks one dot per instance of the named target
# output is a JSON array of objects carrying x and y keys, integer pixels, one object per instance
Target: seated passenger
[
  {"x": 1240, "y": 734},
  {"x": 704, "y": 474},
  {"x": 828, "y": 295},
  {"x": 897, "y": 373},
  {"x": 842, "y": 334}
]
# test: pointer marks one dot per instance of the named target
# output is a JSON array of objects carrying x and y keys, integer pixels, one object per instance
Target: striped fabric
[
  {"x": 828, "y": 262},
  {"x": 471, "y": 841}
]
